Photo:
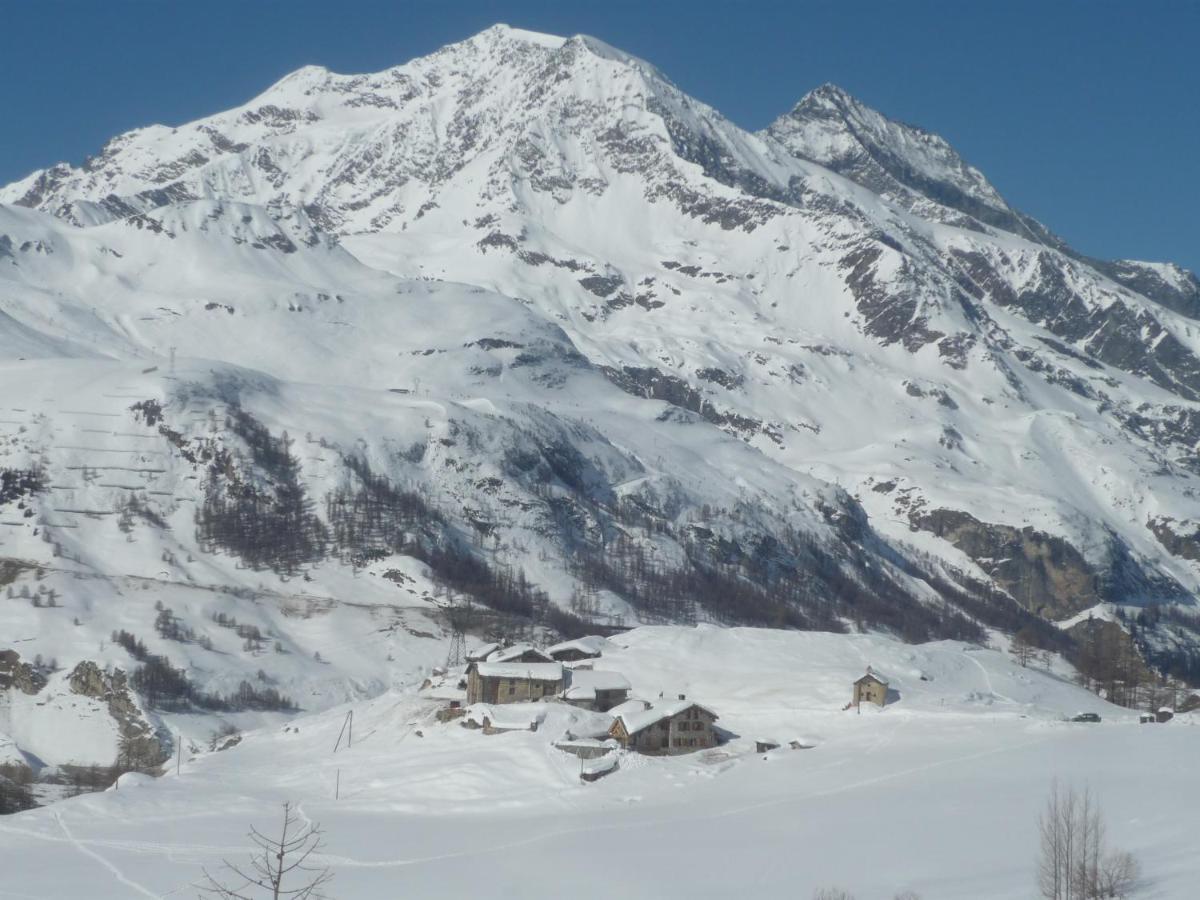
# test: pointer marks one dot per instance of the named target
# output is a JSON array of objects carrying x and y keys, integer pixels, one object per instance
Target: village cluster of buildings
[
  {"x": 499, "y": 679},
  {"x": 567, "y": 673}
]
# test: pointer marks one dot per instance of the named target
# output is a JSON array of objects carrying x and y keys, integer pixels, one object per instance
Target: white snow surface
[{"x": 954, "y": 774}]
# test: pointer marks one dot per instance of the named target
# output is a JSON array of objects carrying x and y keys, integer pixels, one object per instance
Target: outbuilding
[
  {"x": 596, "y": 690},
  {"x": 871, "y": 688},
  {"x": 589, "y": 647},
  {"x": 1165, "y": 714}
]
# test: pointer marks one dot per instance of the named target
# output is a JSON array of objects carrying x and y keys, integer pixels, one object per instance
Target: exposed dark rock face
[
  {"x": 1180, "y": 538},
  {"x": 1181, "y": 294},
  {"x": 890, "y": 315},
  {"x": 657, "y": 385},
  {"x": 140, "y": 745},
  {"x": 19, "y": 675},
  {"x": 1118, "y": 334},
  {"x": 1045, "y": 574}
]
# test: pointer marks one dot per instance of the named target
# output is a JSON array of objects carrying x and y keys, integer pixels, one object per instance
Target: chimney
[{"x": 683, "y": 696}]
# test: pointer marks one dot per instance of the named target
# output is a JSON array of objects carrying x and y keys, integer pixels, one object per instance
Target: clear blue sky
[{"x": 1084, "y": 113}]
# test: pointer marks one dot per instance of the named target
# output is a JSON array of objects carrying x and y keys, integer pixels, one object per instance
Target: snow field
[{"x": 937, "y": 793}]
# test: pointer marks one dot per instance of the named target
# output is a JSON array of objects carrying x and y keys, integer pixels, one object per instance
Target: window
[{"x": 512, "y": 688}]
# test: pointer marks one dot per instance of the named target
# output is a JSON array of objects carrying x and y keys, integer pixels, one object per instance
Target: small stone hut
[{"x": 871, "y": 688}]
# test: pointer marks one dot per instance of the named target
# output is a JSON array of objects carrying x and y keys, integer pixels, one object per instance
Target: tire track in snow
[
  {"x": 126, "y": 846},
  {"x": 117, "y": 873}
]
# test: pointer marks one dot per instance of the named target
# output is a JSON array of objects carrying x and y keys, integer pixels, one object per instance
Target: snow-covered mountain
[{"x": 522, "y": 320}]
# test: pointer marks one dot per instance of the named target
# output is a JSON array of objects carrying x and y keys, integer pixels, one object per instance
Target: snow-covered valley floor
[{"x": 939, "y": 793}]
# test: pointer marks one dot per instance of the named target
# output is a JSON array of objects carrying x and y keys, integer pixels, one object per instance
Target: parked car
[{"x": 1085, "y": 717}]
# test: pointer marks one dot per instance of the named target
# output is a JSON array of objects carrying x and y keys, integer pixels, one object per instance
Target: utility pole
[
  {"x": 459, "y": 615},
  {"x": 348, "y": 730}
]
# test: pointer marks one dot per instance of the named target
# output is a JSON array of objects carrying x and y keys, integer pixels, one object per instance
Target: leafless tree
[
  {"x": 1118, "y": 875},
  {"x": 1075, "y": 863},
  {"x": 278, "y": 869},
  {"x": 832, "y": 894},
  {"x": 1023, "y": 647}
]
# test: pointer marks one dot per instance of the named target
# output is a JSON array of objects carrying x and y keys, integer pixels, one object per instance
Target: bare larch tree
[{"x": 279, "y": 868}]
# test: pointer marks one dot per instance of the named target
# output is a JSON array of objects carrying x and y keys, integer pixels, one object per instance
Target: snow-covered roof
[
  {"x": 877, "y": 676},
  {"x": 600, "y": 764},
  {"x": 629, "y": 706},
  {"x": 515, "y": 651},
  {"x": 592, "y": 645},
  {"x": 636, "y": 721},
  {"x": 483, "y": 651},
  {"x": 533, "y": 671},
  {"x": 585, "y": 682},
  {"x": 506, "y": 715}
]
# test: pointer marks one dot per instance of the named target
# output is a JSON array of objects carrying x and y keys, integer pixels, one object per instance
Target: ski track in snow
[{"x": 117, "y": 873}]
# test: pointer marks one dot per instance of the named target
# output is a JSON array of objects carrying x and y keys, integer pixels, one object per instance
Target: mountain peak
[
  {"x": 903, "y": 163},
  {"x": 825, "y": 95},
  {"x": 507, "y": 32}
]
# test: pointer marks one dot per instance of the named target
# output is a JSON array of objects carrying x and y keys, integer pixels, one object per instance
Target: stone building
[
  {"x": 871, "y": 688},
  {"x": 589, "y": 647},
  {"x": 513, "y": 682},
  {"x": 600, "y": 691},
  {"x": 672, "y": 728}
]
